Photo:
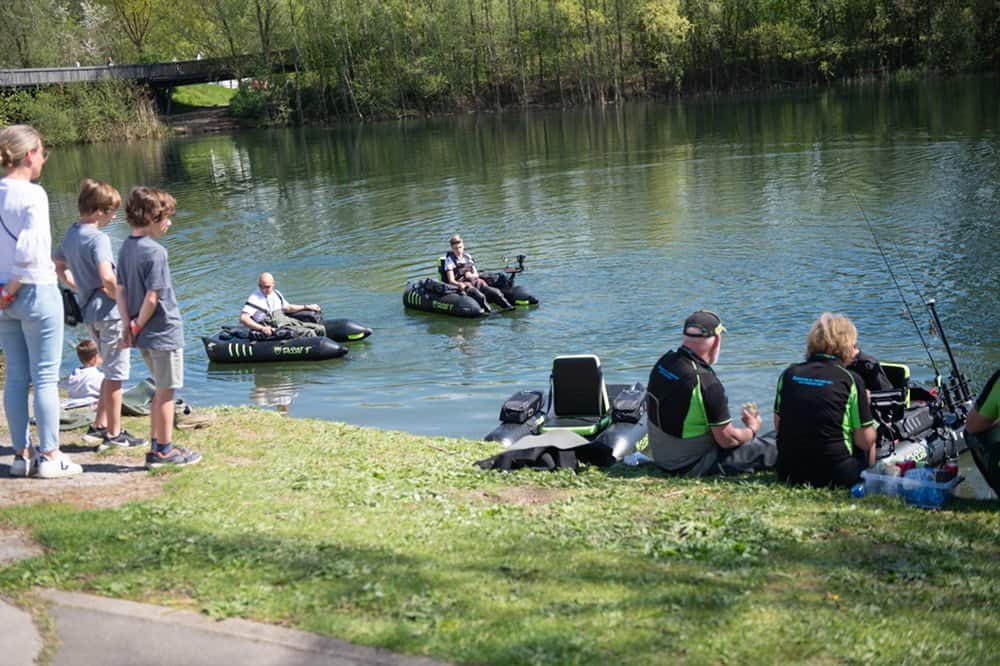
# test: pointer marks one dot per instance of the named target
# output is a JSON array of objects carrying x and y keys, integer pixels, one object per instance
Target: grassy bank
[
  {"x": 84, "y": 113},
  {"x": 199, "y": 96},
  {"x": 399, "y": 541}
]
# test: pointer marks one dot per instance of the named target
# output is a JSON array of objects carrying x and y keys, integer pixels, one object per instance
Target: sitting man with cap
[{"x": 690, "y": 430}]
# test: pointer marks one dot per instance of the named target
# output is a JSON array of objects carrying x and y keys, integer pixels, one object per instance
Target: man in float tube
[
  {"x": 460, "y": 270},
  {"x": 266, "y": 310},
  {"x": 690, "y": 430},
  {"x": 982, "y": 431}
]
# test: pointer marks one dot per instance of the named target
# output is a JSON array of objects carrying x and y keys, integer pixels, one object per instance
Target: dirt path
[
  {"x": 201, "y": 122},
  {"x": 108, "y": 479}
]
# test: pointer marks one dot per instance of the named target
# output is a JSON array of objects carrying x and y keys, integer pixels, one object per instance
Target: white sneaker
[
  {"x": 23, "y": 467},
  {"x": 54, "y": 468}
]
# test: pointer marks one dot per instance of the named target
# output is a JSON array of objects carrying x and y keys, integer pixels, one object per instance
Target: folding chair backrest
[{"x": 577, "y": 387}]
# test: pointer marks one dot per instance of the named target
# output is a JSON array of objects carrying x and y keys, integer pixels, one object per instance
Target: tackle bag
[
  {"x": 308, "y": 316},
  {"x": 521, "y": 406},
  {"x": 71, "y": 309},
  {"x": 629, "y": 405},
  {"x": 437, "y": 287}
]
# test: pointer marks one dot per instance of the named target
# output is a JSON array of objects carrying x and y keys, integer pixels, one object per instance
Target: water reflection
[
  {"x": 270, "y": 385},
  {"x": 630, "y": 217}
]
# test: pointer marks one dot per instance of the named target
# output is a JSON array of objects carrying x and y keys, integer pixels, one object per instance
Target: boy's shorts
[
  {"x": 166, "y": 366},
  {"x": 117, "y": 359}
]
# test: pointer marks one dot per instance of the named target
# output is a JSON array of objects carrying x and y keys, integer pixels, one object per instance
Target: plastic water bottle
[{"x": 858, "y": 489}]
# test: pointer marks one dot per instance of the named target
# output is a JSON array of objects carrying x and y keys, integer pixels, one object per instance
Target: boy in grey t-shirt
[
  {"x": 146, "y": 301},
  {"x": 84, "y": 262}
]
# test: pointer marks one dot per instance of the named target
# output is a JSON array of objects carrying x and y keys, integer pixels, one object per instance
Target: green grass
[
  {"x": 201, "y": 95},
  {"x": 399, "y": 541}
]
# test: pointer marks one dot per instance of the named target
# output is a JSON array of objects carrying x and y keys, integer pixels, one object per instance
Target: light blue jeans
[{"x": 31, "y": 336}]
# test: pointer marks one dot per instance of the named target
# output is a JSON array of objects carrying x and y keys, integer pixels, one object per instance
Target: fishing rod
[
  {"x": 960, "y": 384},
  {"x": 899, "y": 289}
]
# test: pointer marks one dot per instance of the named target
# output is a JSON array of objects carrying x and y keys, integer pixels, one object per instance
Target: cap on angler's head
[{"x": 703, "y": 324}]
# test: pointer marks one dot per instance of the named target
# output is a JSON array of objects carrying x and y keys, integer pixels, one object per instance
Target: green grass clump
[
  {"x": 398, "y": 541},
  {"x": 201, "y": 95}
]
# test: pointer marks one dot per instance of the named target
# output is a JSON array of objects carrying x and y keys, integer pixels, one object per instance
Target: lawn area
[
  {"x": 398, "y": 541},
  {"x": 200, "y": 95}
]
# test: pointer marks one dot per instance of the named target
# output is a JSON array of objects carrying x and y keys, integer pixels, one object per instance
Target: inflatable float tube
[
  {"x": 226, "y": 348},
  {"x": 619, "y": 433},
  {"x": 346, "y": 330},
  {"x": 913, "y": 424},
  {"x": 435, "y": 296},
  {"x": 525, "y": 415},
  {"x": 430, "y": 295}
]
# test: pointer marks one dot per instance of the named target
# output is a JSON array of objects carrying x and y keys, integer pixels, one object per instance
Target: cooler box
[{"x": 916, "y": 491}]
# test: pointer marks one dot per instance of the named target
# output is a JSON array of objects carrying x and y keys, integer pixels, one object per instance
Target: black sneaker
[
  {"x": 175, "y": 456},
  {"x": 124, "y": 440},
  {"x": 95, "y": 435}
]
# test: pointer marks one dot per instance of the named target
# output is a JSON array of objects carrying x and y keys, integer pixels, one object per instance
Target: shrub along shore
[
  {"x": 395, "y": 540},
  {"x": 84, "y": 113}
]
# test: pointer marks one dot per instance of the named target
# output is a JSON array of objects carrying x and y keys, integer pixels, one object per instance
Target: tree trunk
[
  {"x": 475, "y": 51},
  {"x": 558, "y": 65}
]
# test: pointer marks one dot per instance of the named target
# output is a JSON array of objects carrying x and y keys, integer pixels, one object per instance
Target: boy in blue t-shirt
[
  {"x": 84, "y": 261},
  {"x": 146, "y": 301}
]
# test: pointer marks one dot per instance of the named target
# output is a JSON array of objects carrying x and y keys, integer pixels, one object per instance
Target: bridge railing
[{"x": 162, "y": 74}]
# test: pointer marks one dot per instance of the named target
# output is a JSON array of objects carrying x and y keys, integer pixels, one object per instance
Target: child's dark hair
[
  {"x": 147, "y": 205},
  {"x": 97, "y": 195},
  {"x": 86, "y": 351}
]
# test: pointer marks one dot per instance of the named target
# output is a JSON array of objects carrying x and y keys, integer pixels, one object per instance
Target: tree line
[{"x": 364, "y": 58}]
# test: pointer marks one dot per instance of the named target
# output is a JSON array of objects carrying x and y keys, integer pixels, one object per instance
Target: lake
[{"x": 630, "y": 219}]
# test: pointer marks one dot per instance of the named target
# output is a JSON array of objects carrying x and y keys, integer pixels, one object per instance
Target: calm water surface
[{"x": 630, "y": 219}]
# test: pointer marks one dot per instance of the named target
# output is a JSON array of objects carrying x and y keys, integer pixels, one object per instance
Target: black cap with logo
[{"x": 703, "y": 324}]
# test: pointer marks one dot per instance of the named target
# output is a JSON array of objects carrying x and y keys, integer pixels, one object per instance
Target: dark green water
[{"x": 630, "y": 218}]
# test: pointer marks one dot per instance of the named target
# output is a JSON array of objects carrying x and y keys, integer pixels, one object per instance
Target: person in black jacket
[{"x": 822, "y": 411}]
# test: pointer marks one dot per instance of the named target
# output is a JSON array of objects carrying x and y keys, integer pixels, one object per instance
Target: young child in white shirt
[{"x": 84, "y": 384}]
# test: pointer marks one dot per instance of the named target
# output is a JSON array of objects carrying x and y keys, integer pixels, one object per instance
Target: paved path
[{"x": 97, "y": 630}]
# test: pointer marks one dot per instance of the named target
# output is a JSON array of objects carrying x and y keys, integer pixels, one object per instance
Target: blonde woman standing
[{"x": 31, "y": 315}]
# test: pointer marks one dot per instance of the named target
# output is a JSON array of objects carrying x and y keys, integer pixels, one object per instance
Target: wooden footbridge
[{"x": 160, "y": 75}]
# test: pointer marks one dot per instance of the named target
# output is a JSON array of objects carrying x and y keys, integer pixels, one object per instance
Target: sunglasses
[{"x": 265, "y": 286}]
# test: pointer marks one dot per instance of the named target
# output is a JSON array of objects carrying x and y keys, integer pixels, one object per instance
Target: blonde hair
[
  {"x": 97, "y": 195},
  {"x": 17, "y": 141},
  {"x": 147, "y": 205},
  {"x": 832, "y": 334}
]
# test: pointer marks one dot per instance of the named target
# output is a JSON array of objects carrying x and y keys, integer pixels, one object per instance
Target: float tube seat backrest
[
  {"x": 578, "y": 396},
  {"x": 441, "y": 269},
  {"x": 899, "y": 375}
]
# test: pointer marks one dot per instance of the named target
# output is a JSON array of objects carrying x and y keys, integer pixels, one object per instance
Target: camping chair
[{"x": 578, "y": 397}]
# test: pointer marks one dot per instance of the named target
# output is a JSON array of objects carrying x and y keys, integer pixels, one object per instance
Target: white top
[
  {"x": 265, "y": 304},
  {"x": 25, "y": 238},
  {"x": 84, "y": 383}
]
